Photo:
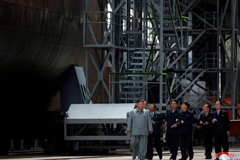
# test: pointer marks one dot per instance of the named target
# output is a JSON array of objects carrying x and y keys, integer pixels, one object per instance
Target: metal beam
[
  {"x": 95, "y": 138},
  {"x": 224, "y": 13},
  {"x": 192, "y": 4},
  {"x": 119, "y": 6},
  {"x": 189, "y": 48}
]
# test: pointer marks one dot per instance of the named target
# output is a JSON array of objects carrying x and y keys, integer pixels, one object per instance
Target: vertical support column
[
  {"x": 12, "y": 145},
  {"x": 22, "y": 144},
  {"x": 113, "y": 70},
  {"x": 234, "y": 59},
  {"x": 161, "y": 57},
  {"x": 86, "y": 72},
  {"x": 116, "y": 28},
  {"x": 65, "y": 130},
  {"x": 144, "y": 42},
  {"x": 76, "y": 146},
  {"x": 101, "y": 7},
  {"x": 85, "y": 41},
  {"x": 190, "y": 55},
  {"x": 36, "y": 144},
  {"x": 218, "y": 74}
]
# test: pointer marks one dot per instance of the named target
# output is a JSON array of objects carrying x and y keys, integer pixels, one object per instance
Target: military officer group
[{"x": 144, "y": 127}]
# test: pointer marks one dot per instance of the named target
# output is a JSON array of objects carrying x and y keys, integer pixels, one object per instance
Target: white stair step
[
  {"x": 141, "y": 52},
  {"x": 169, "y": 41},
  {"x": 131, "y": 81},
  {"x": 169, "y": 35},
  {"x": 136, "y": 69},
  {"x": 141, "y": 58},
  {"x": 133, "y": 87},
  {"x": 137, "y": 64},
  {"x": 130, "y": 93},
  {"x": 129, "y": 98}
]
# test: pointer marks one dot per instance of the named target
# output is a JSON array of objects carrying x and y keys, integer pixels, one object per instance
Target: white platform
[{"x": 99, "y": 111}]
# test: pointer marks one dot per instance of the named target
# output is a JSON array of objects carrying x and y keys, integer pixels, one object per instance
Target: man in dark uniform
[
  {"x": 186, "y": 118},
  {"x": 171, "y": 129},
  {"x": 206, "y": 122},
  {"x": 155, "y": 136},
  {"x": 221, "y": 129}
]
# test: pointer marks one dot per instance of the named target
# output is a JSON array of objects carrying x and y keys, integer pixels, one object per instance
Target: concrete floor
[{"x": 116, "y": 155}]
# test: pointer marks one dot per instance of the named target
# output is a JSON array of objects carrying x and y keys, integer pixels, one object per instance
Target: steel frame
[{"x": 128, "y": 33}]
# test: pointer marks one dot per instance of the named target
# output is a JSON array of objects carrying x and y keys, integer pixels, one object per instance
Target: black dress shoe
[
  {"x": 182, "y": 159},
  {"x": 208, "y": 157}
]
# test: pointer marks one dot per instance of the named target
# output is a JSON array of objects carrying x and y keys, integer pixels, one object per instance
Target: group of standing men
[{"x": 144, "y": 126}]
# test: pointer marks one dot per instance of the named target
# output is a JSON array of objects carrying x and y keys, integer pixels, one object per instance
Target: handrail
[
  {"x": 203, "y": 98},
  {"x": 154, "y": 39},
  {"x": 143, "y": 73},
  {"x": 178, "y": 80},
  {"x": 186, "y": 76},
  {"x": 178, "y": 8},
  {"x": 146, "y": 73}
]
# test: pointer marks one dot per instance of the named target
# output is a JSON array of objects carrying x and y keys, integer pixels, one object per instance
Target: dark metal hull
[{"x": 39, "y": 41}]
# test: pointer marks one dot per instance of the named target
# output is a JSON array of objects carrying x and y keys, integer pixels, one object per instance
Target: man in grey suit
[{"x": 139, "y": 125}]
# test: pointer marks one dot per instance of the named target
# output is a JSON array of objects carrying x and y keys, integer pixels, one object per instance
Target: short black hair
[
  {"x": 174, "y": 100},
  {"x": 154, "y": 105},
  {"x": 187, "y": 104},
  {"x": 221, "y": 103},
  {"x": 208, "y": 105},
  {"x": 140, "y": 100}
]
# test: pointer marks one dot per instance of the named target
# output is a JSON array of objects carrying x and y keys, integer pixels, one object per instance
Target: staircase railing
[
  {"x": 112, "y": 82},
  {"x": 188, "y": 73},
  {"x": 204, "y": 98}
]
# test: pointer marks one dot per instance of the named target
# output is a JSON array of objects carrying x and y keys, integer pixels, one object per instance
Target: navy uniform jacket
[
  {"x": 171, "y": 120},
  {"x": 188, "y": 118},
  {"x": 157, "y": 118},
  {"x": 222, "y": 125},
  {"x": 206, "y": 129}
]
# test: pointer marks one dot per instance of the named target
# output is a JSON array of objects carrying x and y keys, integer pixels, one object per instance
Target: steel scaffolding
[{"x": 161, "y": 49}]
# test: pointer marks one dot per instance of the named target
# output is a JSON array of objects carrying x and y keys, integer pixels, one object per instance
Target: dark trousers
[
  {"x": 173, "y": 142},
  {"x": 208, "y": 144},
  {"x": 221, "y": 141},
  {"x": 156, "y": 139},
  {"x": 186, "y": 144}
]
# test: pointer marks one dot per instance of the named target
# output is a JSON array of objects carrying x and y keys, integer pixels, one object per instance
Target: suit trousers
[
  {"x": 221, "y": 140},
  {"x": 138, "y": 145},
  {"x": 157, "y": 142},
  {"x": 173, "y": 142},
  {"x": 208, "y": 143},
  {"x": 186, "y": 144}
]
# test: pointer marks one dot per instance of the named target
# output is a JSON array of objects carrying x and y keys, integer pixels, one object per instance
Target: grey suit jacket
[{"x": 139, "y": 123}]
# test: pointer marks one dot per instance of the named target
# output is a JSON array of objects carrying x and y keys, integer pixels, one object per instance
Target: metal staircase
[
  {"x": 170, "y": 35},
  {"x": 201, "y": 38},
  {"x": 134, "y": 84},
  {"x": 187, "y": 80}
]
